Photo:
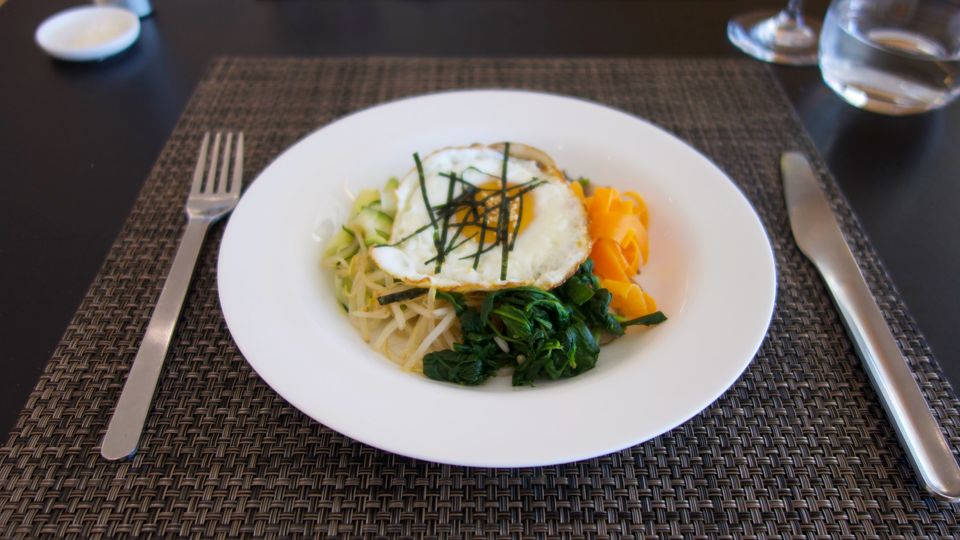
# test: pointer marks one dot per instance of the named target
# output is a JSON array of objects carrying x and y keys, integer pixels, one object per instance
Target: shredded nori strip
[{"x": 408, "y": 294}]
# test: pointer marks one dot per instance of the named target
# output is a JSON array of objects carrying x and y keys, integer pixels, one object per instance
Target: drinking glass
[
  {"x": 783, "y": 37},
  {"x": 892, "y": 56}
]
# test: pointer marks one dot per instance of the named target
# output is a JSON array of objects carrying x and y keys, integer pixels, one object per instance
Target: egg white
[{"x": 551, "y": 247}]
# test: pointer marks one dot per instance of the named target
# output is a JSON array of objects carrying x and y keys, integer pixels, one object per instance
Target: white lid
[{"x": 88, "y": 32}]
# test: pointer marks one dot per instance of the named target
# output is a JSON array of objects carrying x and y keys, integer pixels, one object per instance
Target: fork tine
[
  {"x": 212, "y": 172},
  {"x": 225, "y": 165},
  {"x": 201, "y": 160},
  {"x": 237, "y": 184}
]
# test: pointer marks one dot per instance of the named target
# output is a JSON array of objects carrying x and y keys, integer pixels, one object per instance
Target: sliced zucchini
[
  {"x": 388, "y": 197},
  {"x": 374, "y": 226},
  {"x": 365, "y": 199},
  {"x": 343, "y": 244}
]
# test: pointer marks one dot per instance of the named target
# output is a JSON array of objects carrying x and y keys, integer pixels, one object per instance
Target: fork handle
[{"x": 126, "y": 424}]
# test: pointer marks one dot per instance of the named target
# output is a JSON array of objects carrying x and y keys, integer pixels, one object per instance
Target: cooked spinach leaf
[
  {"x": 547, "y": 334},
  {"x": 468, "y": 367}
]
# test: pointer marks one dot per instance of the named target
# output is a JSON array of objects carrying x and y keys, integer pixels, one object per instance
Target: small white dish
[
  {"x": 88, "y": 33},
  {"x": 711, "y": 270}
]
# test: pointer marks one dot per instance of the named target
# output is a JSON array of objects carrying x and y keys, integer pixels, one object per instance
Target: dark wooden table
[{"x": 77, "y": 140}]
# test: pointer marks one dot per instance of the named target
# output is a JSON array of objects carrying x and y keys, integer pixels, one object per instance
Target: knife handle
[{"x": 899, "y": 392}]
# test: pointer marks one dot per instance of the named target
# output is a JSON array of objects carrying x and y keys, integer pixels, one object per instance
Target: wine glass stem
[{"x": 795, "y": 10}]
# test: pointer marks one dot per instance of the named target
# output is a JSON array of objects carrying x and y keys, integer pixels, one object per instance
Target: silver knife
[{"x": 818, "y": 234}]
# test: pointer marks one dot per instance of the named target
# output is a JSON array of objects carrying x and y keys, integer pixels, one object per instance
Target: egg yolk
[{"x": 488, "y": 199}]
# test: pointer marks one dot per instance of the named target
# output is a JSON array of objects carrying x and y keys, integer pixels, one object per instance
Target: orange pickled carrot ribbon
[{"x": 618, "y": 228}]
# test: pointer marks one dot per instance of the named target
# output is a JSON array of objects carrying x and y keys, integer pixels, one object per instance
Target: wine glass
[{"x": 782, "y": 37}]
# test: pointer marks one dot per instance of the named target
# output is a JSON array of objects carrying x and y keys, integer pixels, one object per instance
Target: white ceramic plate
[
  {"x": 711, "y": 270},
  {"x": 88, "y": 32}
]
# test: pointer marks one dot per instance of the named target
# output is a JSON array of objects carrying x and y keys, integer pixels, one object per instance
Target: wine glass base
[{"x": 774, "y": 37}]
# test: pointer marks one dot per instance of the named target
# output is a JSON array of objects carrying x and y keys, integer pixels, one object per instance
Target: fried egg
[{"x": 545, "y": 235}]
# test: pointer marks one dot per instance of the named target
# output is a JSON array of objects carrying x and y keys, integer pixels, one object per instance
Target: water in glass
[{"x": 892, "y": 56}]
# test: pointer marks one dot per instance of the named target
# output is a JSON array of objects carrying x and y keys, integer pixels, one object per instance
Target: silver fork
[{"x": 211, "y": 197}]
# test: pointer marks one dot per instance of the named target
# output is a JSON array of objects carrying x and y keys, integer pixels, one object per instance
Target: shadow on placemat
[{"x": 798, "y": 446}]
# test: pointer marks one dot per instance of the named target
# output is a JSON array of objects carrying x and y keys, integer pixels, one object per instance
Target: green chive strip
[
  {"x": 483, "y": 236},
  {"x": 450, "y": 247},
  {"x": 441, "y": 249},
  {"x": 516, "y": 226},
  {"x": 426, "y": 201},
  {"x": 459, "y": 179},
  {"x": 504, "y": 218},
  {"x": 461, "y": 200},
  {"x": 480, "y": 251},
  {"x": 458, "y": 244},
  {"x": 409, "y": 236},
  {"x": 408, "y": 294},
  {"x": 519, "y": 193},
  {"x": 656, "y": 317}
]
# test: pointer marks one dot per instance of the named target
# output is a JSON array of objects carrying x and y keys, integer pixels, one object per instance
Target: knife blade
[{"x": 819, "y": 237}]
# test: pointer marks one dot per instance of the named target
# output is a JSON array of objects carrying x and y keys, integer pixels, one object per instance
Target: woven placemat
[{"x": 798, "y": 446}]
